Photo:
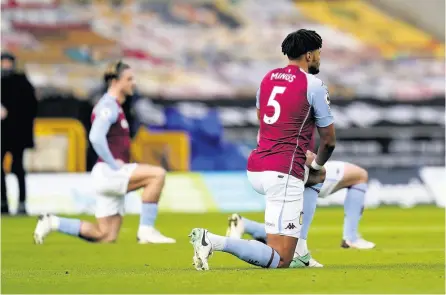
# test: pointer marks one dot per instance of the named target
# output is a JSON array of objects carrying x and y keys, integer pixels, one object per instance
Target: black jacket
[{"x": 19, "y": 99}]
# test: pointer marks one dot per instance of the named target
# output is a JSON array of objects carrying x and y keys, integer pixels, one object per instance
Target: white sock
[
  {"x": 301, "y": 247},
  {"x": 54, "y": 222},
  {"x": 145, "y": 230},
  {"x": 145, "y": 227},
  {"x": 218, "y": 242}
]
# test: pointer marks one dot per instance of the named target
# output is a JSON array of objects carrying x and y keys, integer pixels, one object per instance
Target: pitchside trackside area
[{"x": 409, "y": 258}]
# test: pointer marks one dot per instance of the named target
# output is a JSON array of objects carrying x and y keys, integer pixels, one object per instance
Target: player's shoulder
[
  {"x": 106, "y": 107},
  {"x": 107, "y": 102},
  {"x": 314, "y": 82},
  {"x": 267, "y": 76}
]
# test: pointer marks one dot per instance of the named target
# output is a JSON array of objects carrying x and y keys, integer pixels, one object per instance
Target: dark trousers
[{"x": 18, "y": 170}]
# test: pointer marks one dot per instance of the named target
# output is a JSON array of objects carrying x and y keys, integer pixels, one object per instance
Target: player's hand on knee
[
  {"x": 315, "y": 177},
  {"x": 310, "y": 157}
]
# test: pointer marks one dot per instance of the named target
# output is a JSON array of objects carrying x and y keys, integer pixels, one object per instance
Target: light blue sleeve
[
  {"x": 258, "y": 99},
  {"x": 105, "y": 115},
  {"x": 319, "y": 100}
]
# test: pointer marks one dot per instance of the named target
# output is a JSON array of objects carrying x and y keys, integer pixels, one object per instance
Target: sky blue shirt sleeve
[
  {"x": 319, "y": 100},
  {"x": 105, "y": 115},
  {"x": 257, "y": 99}
]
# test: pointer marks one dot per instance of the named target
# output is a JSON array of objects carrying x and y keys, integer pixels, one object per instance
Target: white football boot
[
  {"x": 236, "y": 227},
  {"x": 314, "y": 263},
  {"x": 304, "y": 261},
  {"x": 150, "y": 235},
  {"x": 358, "y": 244},
  {"x": 202, "y": 248},
  {"x": 43, "y": 228}
]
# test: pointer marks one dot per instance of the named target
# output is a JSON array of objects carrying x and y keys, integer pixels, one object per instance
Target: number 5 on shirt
[{"x": 275, "y": 104}]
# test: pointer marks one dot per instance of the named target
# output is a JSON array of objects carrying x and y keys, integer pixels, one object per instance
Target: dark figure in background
[{"x": 18, "y": 111}]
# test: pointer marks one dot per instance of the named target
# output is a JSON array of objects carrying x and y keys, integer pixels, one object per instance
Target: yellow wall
[
  {"x": 372, "y": 26},
  {"x": 146, "y": 147}
]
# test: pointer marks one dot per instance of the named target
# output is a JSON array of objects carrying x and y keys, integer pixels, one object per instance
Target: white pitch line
[
  {"x": 382, "y": 228},
  {"x": 379, "y": 250},
  {"x": 364, "y": 229}
]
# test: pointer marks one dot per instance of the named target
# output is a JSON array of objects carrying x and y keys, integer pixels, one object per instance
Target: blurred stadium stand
[{"x": 199, "y": 64}]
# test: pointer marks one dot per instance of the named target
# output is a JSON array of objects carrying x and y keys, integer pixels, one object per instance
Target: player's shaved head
[{"x": 304, "y": 43}]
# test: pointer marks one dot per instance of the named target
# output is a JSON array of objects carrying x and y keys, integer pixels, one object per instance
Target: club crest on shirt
[
  {"x": 124, "y": 124},
  {"x": 105, "y": 113},
  {"x": 327, "y": 99}
]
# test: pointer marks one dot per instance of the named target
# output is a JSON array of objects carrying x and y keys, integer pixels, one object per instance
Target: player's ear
[{"x": 308, "y": 56}]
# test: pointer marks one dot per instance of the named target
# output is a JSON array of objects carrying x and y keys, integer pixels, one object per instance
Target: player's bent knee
[
  {"x": 354, "y": 175},
  {"x": 158, "y": 177},
  {"x": 161, "y": 174},
  {"x": 363, "y": 175},
  {"x": 284, "y": 246},
  {"x": 155, "y": 172}
]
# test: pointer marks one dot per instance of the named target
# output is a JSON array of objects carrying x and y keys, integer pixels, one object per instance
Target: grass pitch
[{"x": 409, "y": 258}]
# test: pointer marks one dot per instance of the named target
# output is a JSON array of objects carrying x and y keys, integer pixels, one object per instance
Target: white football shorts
[
  {"x": 284, "y": 201},
  {"x": 111, "y": 188},
  {"x": 334, "y": 174}
]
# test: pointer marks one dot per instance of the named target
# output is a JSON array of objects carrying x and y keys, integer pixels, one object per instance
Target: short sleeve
[
  {"x": 319, "y": 100},
  {"x": 107, "y": 111}
]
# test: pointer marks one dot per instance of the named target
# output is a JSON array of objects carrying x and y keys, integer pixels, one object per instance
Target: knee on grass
[
  {"x": 108, "y": 238},
  {"x": 286, "y": 256},
  {"x": 284, "y": 263},
  {"x": 101, "y": 237}
]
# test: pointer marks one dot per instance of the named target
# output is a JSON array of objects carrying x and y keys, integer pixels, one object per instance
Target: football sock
[
  {"x": 353, "y": 207},
  {"x": 251, "y": 251},
  {"x": 309, "y": 208},
  {"x": 67, "y": 226},
  {"x": 149, "y": 211},
  {"x": 301, "y": 247},
  {"x": 255, "y": 229}
]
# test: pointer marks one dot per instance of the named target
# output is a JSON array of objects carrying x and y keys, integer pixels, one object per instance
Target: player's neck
[
  {"x": 301, "y": 64},
  {"x": 116, "y": 95}
]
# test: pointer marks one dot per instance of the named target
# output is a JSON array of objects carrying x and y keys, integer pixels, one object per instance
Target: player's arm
[
  {"x": 105, "y": 116},
  {"x": 258, "y": 104},
  {"x": 258, "y": 112},
  {"x": 320, "y": 101}
]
